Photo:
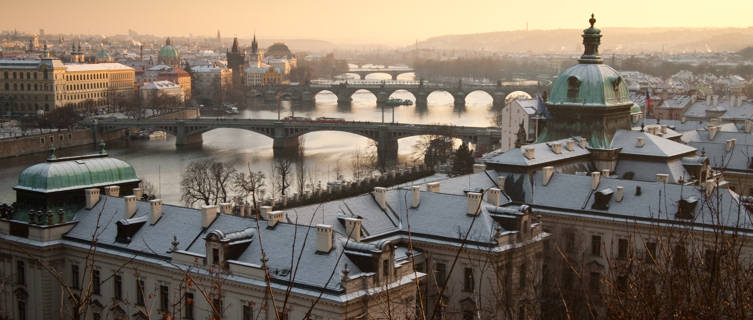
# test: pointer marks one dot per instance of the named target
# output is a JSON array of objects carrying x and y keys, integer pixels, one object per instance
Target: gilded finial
[
  {"x": 102, "y": 147},
  {"x": 592, "y": 20}
]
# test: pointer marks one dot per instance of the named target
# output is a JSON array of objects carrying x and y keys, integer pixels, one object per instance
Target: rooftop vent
[
  {"x": 208, "y": 214},
  {"x": 353, "y": 228},
  {"x": 556, "y": 147},
  {"x": 582, "y": 143},
  {"x": 570, "y": 145},
  {"x": 138, "y": 193},
  {"x": 380, "y": 194},
  {"x": 730, "y": 144},
  {"x": 415, "y": 192},
  {"x": 275, "y": 217},
  {"x": 620, "y": 194},
  {"x": 474, "y": 203},
  {"x": 601, "y": 199},
  {"x": 605, "y": 173},
  {"x": 130, "y": 206},
  {"x": 113, "y": 191},
  {"x": 92, "y": 197},
  {"x": 640, "y": 142},
  {"x": 493, "y": 196},
  {"x": 529, "y": 153},
  {"x": 155, "y": 211},
  {"x": 595, "y": 179},
  {"x": 432, "y": 187}
]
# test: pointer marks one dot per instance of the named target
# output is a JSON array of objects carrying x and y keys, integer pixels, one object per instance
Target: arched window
[{"x": 573, "y": 86}]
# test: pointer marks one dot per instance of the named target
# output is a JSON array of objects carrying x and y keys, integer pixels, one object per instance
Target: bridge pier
[
  {"x": 459, "y": 99},
  {"x": 285, "y": 147},
  {"x": 421, "y": 100},
  {"x": 498, "y": 100},
  {"x": 394, "y": 75},
  {"x": 344, "y": 97},
  {"x": 387, "y": 153},
  {"x": 182, "y": 138}
]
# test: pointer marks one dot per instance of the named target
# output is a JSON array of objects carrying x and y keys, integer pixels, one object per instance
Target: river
[{"x": 161, "y": 163}]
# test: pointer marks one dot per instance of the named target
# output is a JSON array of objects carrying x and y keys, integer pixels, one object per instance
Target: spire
[
  {"x": 254, "y": 45},
  {"x": 591, "y": 41},
  {"x": 235, "y": 45},
  {"x": 168, "y": 42}
]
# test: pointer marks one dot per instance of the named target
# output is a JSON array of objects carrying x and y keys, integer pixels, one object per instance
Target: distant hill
[
  {"x": 615, "y": 40},
  {"x": 297, "y": 45}
]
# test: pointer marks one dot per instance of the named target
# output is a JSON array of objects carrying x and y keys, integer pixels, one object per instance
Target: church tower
[{"x": 236, "y": 60}]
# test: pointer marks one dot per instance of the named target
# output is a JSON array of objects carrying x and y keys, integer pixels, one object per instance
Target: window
[
  {"x": 522, "y": 276},
  {"x": 650, "y": 251},
  {"x": 140, "y": 292},
  {"x": 248, "y": 312},
  {"x": 20, "y": 272},
  {"x": 573, "y": 86},
  {"x": 595, "y": 282},
  {"x": 622, "y": 249},
  {"x": 117, "y": 287},
  {"x": 215, "y": 256},
  {"x": 468, "y": 280},
  {"x": 440, "y": 270},
  {"x": 188, "y": 305},
  {"x": 596, "y": 246},
  {"x": 164, "y": 298},
  {"x": 21, "y": 310},
  {"x": 95, "y": 282}
]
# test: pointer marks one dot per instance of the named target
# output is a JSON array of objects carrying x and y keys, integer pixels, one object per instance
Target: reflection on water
[{"x": 326, "y": 153}]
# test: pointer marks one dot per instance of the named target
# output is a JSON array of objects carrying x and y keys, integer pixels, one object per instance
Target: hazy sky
[{"x": 374, "y": 21}]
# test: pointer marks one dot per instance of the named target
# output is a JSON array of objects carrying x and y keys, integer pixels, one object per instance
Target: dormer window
[
  {"x": 573, "y": 86},
  {"x": 616, "y": 84}
]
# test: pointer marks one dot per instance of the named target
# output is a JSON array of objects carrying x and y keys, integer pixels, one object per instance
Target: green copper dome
[
  {"x": 589, "y": 85},
  {"x": 103, "y": 55},
  {"x": 76, "y": 173},
  {"x": 168, "y": 50}
]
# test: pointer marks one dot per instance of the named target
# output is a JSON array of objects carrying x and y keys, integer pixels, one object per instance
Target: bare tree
[
  {"x": 283, "y": 169},
  {"x": 251, "y": 184},
  {"x": 206, "y": 181}
]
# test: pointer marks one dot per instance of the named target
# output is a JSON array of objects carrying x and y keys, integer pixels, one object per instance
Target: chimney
[
  {"x": 92, "y": 197},
  {"x": 156, "y": 210},
  {"x": 264, "y": 212},
  {"x": 663, "y": 128},
  {"x": 739, "y": 101},
  {"x": 556, "y": 147},
  {"x": 595, "y": 179},
  {"x": 662, "y": 177},
  {"x": 492, "y": 196},
  {"x": 529, "y": 153},
  {"x": 748, "y": 125},
  {"x": 715, "y": 99},
  {"x": 730, "y": 144},
  {"x": 582, "y": 143},
  {"x": 652, "y": 129},
  {"x": 548, "y": 172},
  {"x": 605, "y": 173},
  {"x": 712, "y": 132},
  {"x": 415, "y": 192},
  {"x": 138, "y": 193},
  {"x": 226, "y": 208},
  {"x": 380, "y": 194},
  {"x": 640, "y": 142},
  {"x": 208, "y": 214},
  {"x": 683, "y": 119},
  {"x": 501, "y": 182},
  {"x": 474, "y": 203},
  {"x": 113, "y": 191},
  {"x": 478, "y": 167},
  {"x": 275, "y": 217},
  {"x": 708, "y": 100},
  {"x": 432, "y": 187},
  {"x": 130, "y": 206},
  {"x": 323, "y": 238},
  {"x": 353, "y": 228},
  {"x": 733, "y": 101},
  {"x": 570, "y": 145},
  {"x": 620, "y": 193},
  {"x": 716, "y": 121}
]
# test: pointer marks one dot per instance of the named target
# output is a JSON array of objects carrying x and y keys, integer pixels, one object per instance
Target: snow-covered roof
[
  {"x": 84, "y": 67},
  {"x": 158, "y": 85}
]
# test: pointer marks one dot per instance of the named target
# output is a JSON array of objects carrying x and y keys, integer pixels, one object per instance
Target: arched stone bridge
[
  {"x": 384, "y": 89},
  {"x": 392, "y": 71},
  {"x": 285, "y": 133}
]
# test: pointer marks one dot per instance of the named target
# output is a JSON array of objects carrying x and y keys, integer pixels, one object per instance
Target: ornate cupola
[{"x": 589, "y": 99}]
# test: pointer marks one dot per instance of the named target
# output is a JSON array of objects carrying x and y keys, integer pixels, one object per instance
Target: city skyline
[{"x": 386, "y": 22}]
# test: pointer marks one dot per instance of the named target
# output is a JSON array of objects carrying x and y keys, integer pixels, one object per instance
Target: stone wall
[{"x": 18, "y": 146}]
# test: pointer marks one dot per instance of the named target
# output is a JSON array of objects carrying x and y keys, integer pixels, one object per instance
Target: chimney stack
[
  {"x": 92, "y": 197},
  {"x": 380, "y": 194},
  {"x": 156, "y": 210},
  {"x": 138, "y": 193},
  {"x": 264, "y": 212},
  {"x": 708, "y": 100},
  {"x": 748, "y": 125},
  {"x": 662, "y": 177},
  {"x": 113, "y": 191},
  {"x": 478, "y": 167},
  {"x": 353, "y": 228},
  {"x": 548, "y": 172},
  {"x": 474, "y": 203},
  {"x": 605, "y": 173},
  {"x": 710, "y": 184},
  {"x": 432, "y": 187},
  {"x": 208, "y": 214},
  {"x": 595, "y": 180},
  {"x": 620, "y": 193},
  {"x": 275, "y": 217},
  {"x": 415, "y": 192},
  {"x": 730, "y": 145},
  {"x": 713, "y": 130},
  {"x": 130, "y": 206},
  {"x": 493, "y": 196},
  {"x": 640, "y": 142},
  {"x": 323, "y": 238},
  {"x": 226, "y": 208},
  {"x": 664, "y": 128},
  {"x": 570, "y": 145},
  {"x": 529, "y": 153}
]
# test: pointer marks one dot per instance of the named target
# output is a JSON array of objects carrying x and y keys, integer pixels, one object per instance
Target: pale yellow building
[{"x": 34, "y": 86}]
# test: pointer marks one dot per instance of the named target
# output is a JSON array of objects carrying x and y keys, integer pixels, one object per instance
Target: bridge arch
[
  {"x": 366, "y": 96},
  {"x": 402, "y": 94},
  {"x": 479, "y": 94},
  {"x": 324, "y": 96},
  {"x": 411, "y": 75},
  {"x": 435, "y": 96},
  {"x": 377, "y": 75},
  {"x": 510, "y": 97}
]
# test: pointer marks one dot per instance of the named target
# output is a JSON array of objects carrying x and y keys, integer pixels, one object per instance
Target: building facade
[{"x": 211, "y": 84}]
